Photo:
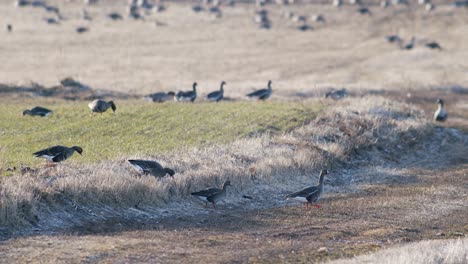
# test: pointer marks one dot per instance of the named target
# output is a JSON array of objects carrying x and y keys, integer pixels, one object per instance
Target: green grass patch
[{"x": 139, "y": 127}]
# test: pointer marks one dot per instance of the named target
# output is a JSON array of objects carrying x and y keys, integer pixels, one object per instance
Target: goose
[
  {"x": 384, "y": 3},
  {"x": 37, "y": 111},
  {"x": 80, "y": 30},
  {"x": 305, "y": 27},
  {"x": 364, "y": 11},
  {"x": 433, "y": 45},
  {"x": 440, "y": 114},
  {"x": 429, "y": 7},
  {"x": 115, "y": 16},
  {"x": 393, "y": 39},
  {"x": 100, "y": 106},
  {"x": 318, "y": 18},
  {"x": 160, "y": 97},
  {"x": 309, "y": 194},
  {"x": 337, "y": 94},
  {"x": 217, "y": 96},
  {"x": 150, "y": 167},
  {"x": 262, "y": 94},
  {"x": 213, "y": 194},
  {"x": 187, "y": 95},
  {"x": 52, "y": 21},
  {"x": 57, "y": 153},
  {"x": 9, "y": 28},
  {"x": 85, "y": 15},
  {"x": 337, "y": 3},
  {"x": 410, "y": 45}
]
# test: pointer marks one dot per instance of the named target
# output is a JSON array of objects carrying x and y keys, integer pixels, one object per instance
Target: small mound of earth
[{"x": 68, "y": 89}]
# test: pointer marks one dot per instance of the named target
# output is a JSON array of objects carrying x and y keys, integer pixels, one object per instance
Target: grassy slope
[{"x": 139, "y": 127}]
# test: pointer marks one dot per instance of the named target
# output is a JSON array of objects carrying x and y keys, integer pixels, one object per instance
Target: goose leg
[{"x": 317, "y": 206}]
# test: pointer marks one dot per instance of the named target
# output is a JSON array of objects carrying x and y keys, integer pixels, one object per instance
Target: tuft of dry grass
[{"x": 452, "y": 251}]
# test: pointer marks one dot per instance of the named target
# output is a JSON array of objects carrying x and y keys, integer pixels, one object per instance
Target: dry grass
[
  {"x": 328, "y": 142},
  {"x": 453, "y": 251}
]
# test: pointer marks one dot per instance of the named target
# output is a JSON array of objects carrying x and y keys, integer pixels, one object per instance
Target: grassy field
[{"x": 139, "y": 127}]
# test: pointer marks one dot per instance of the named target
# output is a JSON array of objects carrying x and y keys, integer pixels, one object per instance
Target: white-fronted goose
[
  {"x": 81, "y": 30},
  {"x": 393, "y": 39},
  {"x": 100, "y": 106},
  {"x": 85, "y": 15},
  {"x": 213, "y": 194},
  {"x": 364, "y": 11},
  {"x": 337, "y": 3},
  {"x": 160, "y": 97},
  {"x": 115, "y": 16},
  {"x": 150, "y": 167},
  {"x": 57, "y": 153},
  {"x": 433, "y": 45},
  {"x": 262, "y": 94},
  {"x": 187, "y": 95},
  {"x": 217, "y": 96},
  {"x": 429, "y": 7},
  {"x": 410, "y": 45},
  {"x": 309, "y": 194},
  {"x": 440, "y": 114},
  {"x": 37, "y": 111},
  {"x": 337, "y": 94}
]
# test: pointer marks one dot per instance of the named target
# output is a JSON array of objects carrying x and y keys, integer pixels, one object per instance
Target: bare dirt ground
[{"x": 419, "y": 196}]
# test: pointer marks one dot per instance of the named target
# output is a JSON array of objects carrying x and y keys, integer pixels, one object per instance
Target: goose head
[
  {"x": 78, "y": 149},
  {"x": 169, "y": 171},
  {"x": 222, "y": 85},
  {"x": 269, "y": 84},
  {"x": 226, "y": 183},
  {"x": 26, "y": 112},
  {"x": 440, "y": 102}
]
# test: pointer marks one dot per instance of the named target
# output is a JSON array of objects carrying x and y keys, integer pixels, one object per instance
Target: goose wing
[
  {"x": 207, "y": 192},
  {"x": 146, "y": 166},
  {"x": 260, "y": 92},
  {"x": 304, "y": 192},
  {"x": 52, "y": 151}
]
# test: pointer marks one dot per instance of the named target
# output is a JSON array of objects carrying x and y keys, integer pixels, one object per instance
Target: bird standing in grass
[
  {"x": 187, "y": 95},
  {"x": 100, "y": 106},
  {"x": 309, "y": 194},
  {"x": 37, "y": 111},
  {"x": 440, "y": 114},
  {"x": 160, "y": 97},
  {"x": 262, "y": 94},
  {"x": 150, "y": 167},
  {"x": 217, "y": 96},
  {"x": 57, "y": 153},
  {"x": 213, "y": 194},
  {"x": 433, "y": 45}
]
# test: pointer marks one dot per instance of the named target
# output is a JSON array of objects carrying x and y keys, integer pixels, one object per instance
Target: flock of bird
[
  {"x": 141, "y": 9},
  {"x": 308, "y": 195}
]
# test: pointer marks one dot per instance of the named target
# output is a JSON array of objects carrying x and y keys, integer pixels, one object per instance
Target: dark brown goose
[
  {"x": 187, "y": 95},
  {"x": 37, "y": 111},
  {"x": 309, "y": 194},
  {"x": 440, "y": 114},
  {"x": 57, "y": 153},
  {"x": 262, "y": 94},
  {"x": 100, "y": 106},
  {"x": 160, "y": 97},
  {"x": 213, "y": 194},
  {"x": 150, "y": 167},
  {"x": 217, "y": 96}
]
